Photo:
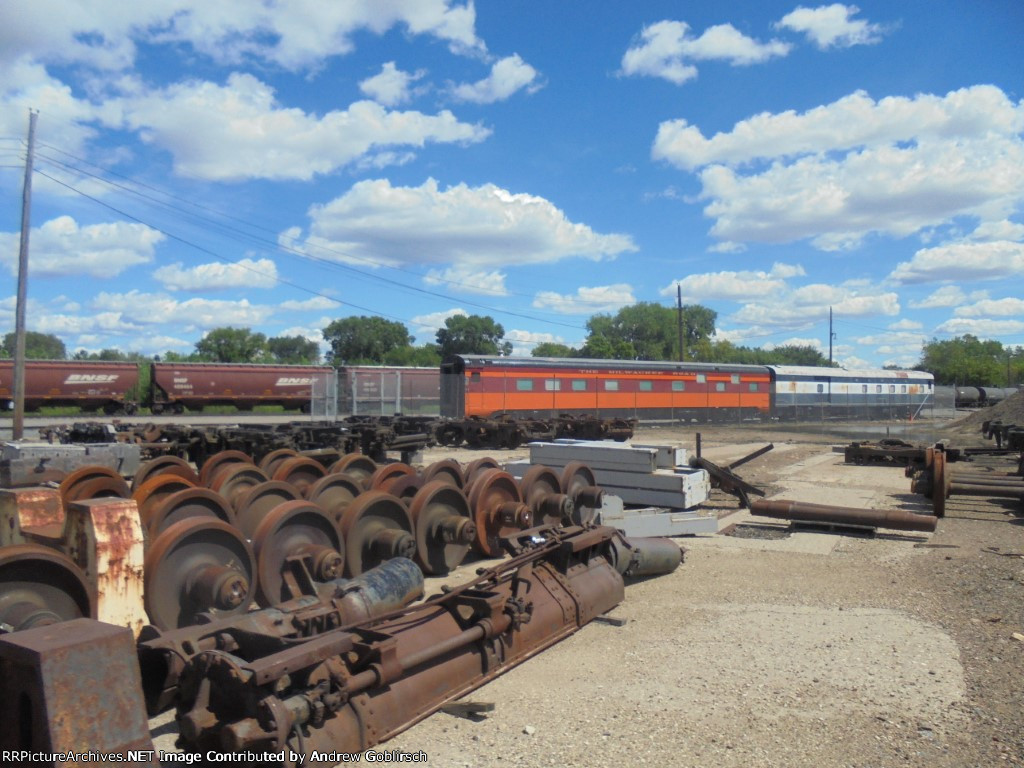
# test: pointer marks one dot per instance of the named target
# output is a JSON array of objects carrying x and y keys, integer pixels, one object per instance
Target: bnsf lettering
[
  {"x": 91, "y": 378},
  {"x": 286, "y": 381}
]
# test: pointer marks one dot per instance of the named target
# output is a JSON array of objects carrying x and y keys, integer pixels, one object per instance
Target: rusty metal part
[
  {"x": 446, "y": 470},
  {"x": 28, "y": 514},
  {"x": 888, "y": 451},
  {"x": 498, "y": 510},
  {"x": 541, "y": 489},
  {"x": 444, "y": 526},
  {"x": 300, "y": 471},
  {"x": 405, "y": 487},
  {"x": 349, "y": 689},
  {"x": 154, "y": 490},
  {"x": 579, "y": 484},
  {"x": 198, "y": 566},
  {"x": 164, "y": 465},
  {"x": 233, "y": 481},
  {"x": 213, "y": 464},
  {"x": 295, "y": 530},
  {"x": 99, "y": 488},
  {"x": 821, "y": 513},
  {"x": 334, "y": 604},
  {"x": 727, "y": 480},
  {"x": 258, "y": 501},
  {"x": 71, "y": 487},
  {"x": 73, "y": 688},
  {"x": 192, "y": 502},
  {"x": 473, "y": 468},
  {"x": 334, "y": 493},
  {"x": 636, "y": 558},
  {"x": 41, "y": 586},
  {"x": 388, "y": 472},
  {"x": 752, "y": 455},
  {"x": 375, "y": 527},
  {"x": 272, "y": 460},
  {"x": 355, "y": 464}
]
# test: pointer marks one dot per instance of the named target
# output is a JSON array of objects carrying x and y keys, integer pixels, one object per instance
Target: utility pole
[
  {"x": 679, "y": 309},
  {"x": 18, "y": 427},
  {"x": 830, "y": 336}
]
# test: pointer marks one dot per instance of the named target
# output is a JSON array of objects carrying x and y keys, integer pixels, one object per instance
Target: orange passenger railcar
[{"x": 476, "y": 385}]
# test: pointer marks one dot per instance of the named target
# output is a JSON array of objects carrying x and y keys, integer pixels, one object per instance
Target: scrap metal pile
[
  {"x": 331, "y": 548},
  {"x": 1002, "y": 477}
]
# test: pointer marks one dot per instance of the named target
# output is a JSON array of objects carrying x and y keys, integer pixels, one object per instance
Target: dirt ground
[{"x": 812, "y": 650}]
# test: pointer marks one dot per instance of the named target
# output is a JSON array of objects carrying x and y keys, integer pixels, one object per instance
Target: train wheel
[
  {"x": 541, "y": 489},
  {"x": 198, "y": 566},
  {"x": 475, "y": 467},
  {"x": 334, "y": 493},
  {"x": 233, "y": 480},
  {"x": 498, "y": 510},
  {"x": 41, "y": 586},
  {"x": 447, "y": 471},
  {"x": 191, "y": 503},
  {"x": 86, "y": 482},
  {"x": 579, "y": 484},
  {"x": 295, "y": 529},
  {"x": 272, "y": 460},
  {"x": 375, "y": 527},
  {"x": 300, "y": 471},
  {"x": 152, "y": 492},
  {"x": 165, "y": 465},
  {"x": 404, "y": 487},
  {"x": 444, "y": 527},
  {"x": 214, "y": 463},
  {"x": 356, "y": 464},
  {"x": 258, "y": 501},
  {"x": 387, "y": 473}
]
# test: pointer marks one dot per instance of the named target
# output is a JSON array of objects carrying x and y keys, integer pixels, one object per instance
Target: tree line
[{"x": 643, "y": 331}]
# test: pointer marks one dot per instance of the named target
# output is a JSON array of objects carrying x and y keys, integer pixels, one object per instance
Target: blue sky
[{"x": 279, "y": 165}]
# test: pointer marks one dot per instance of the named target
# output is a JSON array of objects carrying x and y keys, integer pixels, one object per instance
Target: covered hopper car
[
  {"x": 176, "y": 386},
  {"x": 477, "y": 385},
  {"x": 88, "y": 385}
]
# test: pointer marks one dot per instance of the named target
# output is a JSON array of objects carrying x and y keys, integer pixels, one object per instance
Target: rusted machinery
[
  {"x": 938, "y": 482},
  {"x": 850, "y": 516},
  {"x": 506, "y": 430},
  {"x": 251, "y": 687}
]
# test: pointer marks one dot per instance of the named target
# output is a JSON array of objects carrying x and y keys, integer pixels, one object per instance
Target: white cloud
[
  {"x": 192, "y": 314},
  {"x": 507, "y": 76},
  {"x": 428, "y": 325},
  {"x": 797, "y": 341},
  {"x": 1008, "y": 307},
  {"x": 841, "y": 171},
  {"x": 946, "y": 296},
  {"x": 63, "y": 247},
  {"x": 734, "y": 286},
  {"x": 664, "y": 50},
  {"x": 463, "y": 279},
  {"x": 962, "y": 262},
  {"x": 391, "y": 86},
  {"x": 981, "y": 327},
  {"x": 311, "y": 304},
  {"x": 808, "y": 305},
  {"x": 216, "y": 276},
  {"x": 587, "y": 300},
  {"x": 478, "y": 228},
  {"x": 831, "y": 26},
  {"x": 239, "y": 131},
  {"x": 523, "y": 342},
  {"x": 905, "y": 325},
  {"x": 998, "y": 230}
]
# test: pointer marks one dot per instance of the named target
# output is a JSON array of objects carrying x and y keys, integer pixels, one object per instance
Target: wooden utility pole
[
  {"x": 830, "y": 336},
  {"x": 18, "y": 427},
  {"x": 679, "y": 309}
]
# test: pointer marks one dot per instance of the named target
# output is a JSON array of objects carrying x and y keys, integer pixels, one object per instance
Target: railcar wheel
[
  {"x": 82, "y": 482},
  {"x": 300, "y": 471},
  {"x": 388, "y": 472},
  {"x": 447, "y": 471},
  {"x": 198, "y": 566},
  {"x": 213, "y": 464},
  {"x": 579, "y": 484},
  {"x": 272, "y": 460},
  {"x": 475, "y": 467},
  {"x": 295, "y": 529},
  {"x": 234, "y": 480},
  {"x": 334, "y": 493},
  {"x": 356, "y": 464},
  {"x": 498, "y": 510},
  {"x": 375, "y": 527},
  {"x": 41, "y": 586},
  {"x": 405, "y": 487},
  {"x": 444, "y": 527},
  {"x": 191, "y": 503},
  {"x": 164, "y": 465},
  {"x": 152, "y": 492},
  {"x": 541, "y": 490},
  {"x": 258, "y": 501}
]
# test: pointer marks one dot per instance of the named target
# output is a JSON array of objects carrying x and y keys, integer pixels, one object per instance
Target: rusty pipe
[
  {"x": 996, "y": 491},
  {"x": 822, "y": 513}
]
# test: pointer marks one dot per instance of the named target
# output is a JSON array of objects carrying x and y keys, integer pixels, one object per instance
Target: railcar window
[
  {"x": 645, "y": 386},
  {"x": 719, "y": 386},
  {"x": 701, "y": 378},
  {"x": 864, "y": 388},
  {"x": 821, "y": 387},
  {"x": 878, "y": 389},
  {"x": 611, "y": 385},
  {"x": 903, "y": 388},
  {"x": 579, "y": 385},
  {"x": 524, "y": 385},
  {"x": 735, "y": 378},
  {"x": 552, "y": 385},
  {"x": 892, "y": 389},
  {"x": 474, "y": 376},
  {"x": 753, "y": 386},
  {"x": 678, "y": 386}
]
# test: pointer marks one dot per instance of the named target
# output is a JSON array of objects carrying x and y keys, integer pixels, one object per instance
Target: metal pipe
[
  {"x": 822, "y": 513},
  {"x": 996, "y": 491}
]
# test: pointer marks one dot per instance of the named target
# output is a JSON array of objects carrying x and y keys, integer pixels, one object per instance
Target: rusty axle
[{"x": 822, "y": 513}]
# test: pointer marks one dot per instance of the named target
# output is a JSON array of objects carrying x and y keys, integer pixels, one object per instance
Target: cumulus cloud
[
  {"x": 666, "y": 48},
  {"x": 587, "y": 300},
  {"x": 523, "y": 342},
  {"x": 464, "y": 279},
  {"x": 391, "y": 86},
  {"x": 1008, "y": 307},
  {"x": 946, "y": 296},
  {"x": 905, "y": 324},
  {"x": 429, "y": 324},
  {"x": 239, "y": 131},
  {"x": 832, "y": 26},
  {"x": 62, "y": 247},
  {"x": 217, "y": 276},
  {"x": 984, "y": 328},
  {"x": 310, "y": 304},
  {"x": 478, "y": 228},
  {"x": 841, "y": 171},
  {"x": 143, "y": 309},
  {"x": 808, "y": 305},
  {"x": 508, "y": 75},
  {"x": 962, "y": 262},
  {"x": 734, "y": 286}
]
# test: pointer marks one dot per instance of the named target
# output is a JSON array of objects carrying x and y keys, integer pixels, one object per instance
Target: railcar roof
[
  {"x": 599, "y": 364},
  {"x": 843, "y": 373}
]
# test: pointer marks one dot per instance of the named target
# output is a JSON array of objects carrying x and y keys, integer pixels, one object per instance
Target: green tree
[
  {"x": 553, "y": 349},
  {"x": 797, "y": 354},
  {"x": 472, "y": 335},
  {"x": 364, "y": 339},
  {"x": 38, "y": 346},
  {"x": 177, "y": 357},
  {"x": 427, "y": 356},
  {"x": 293, "y": 350},
  {"x": 965, "y": 360},
  {"x": 649, "y": 331},
  {"x": 232, "y": 345}
]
